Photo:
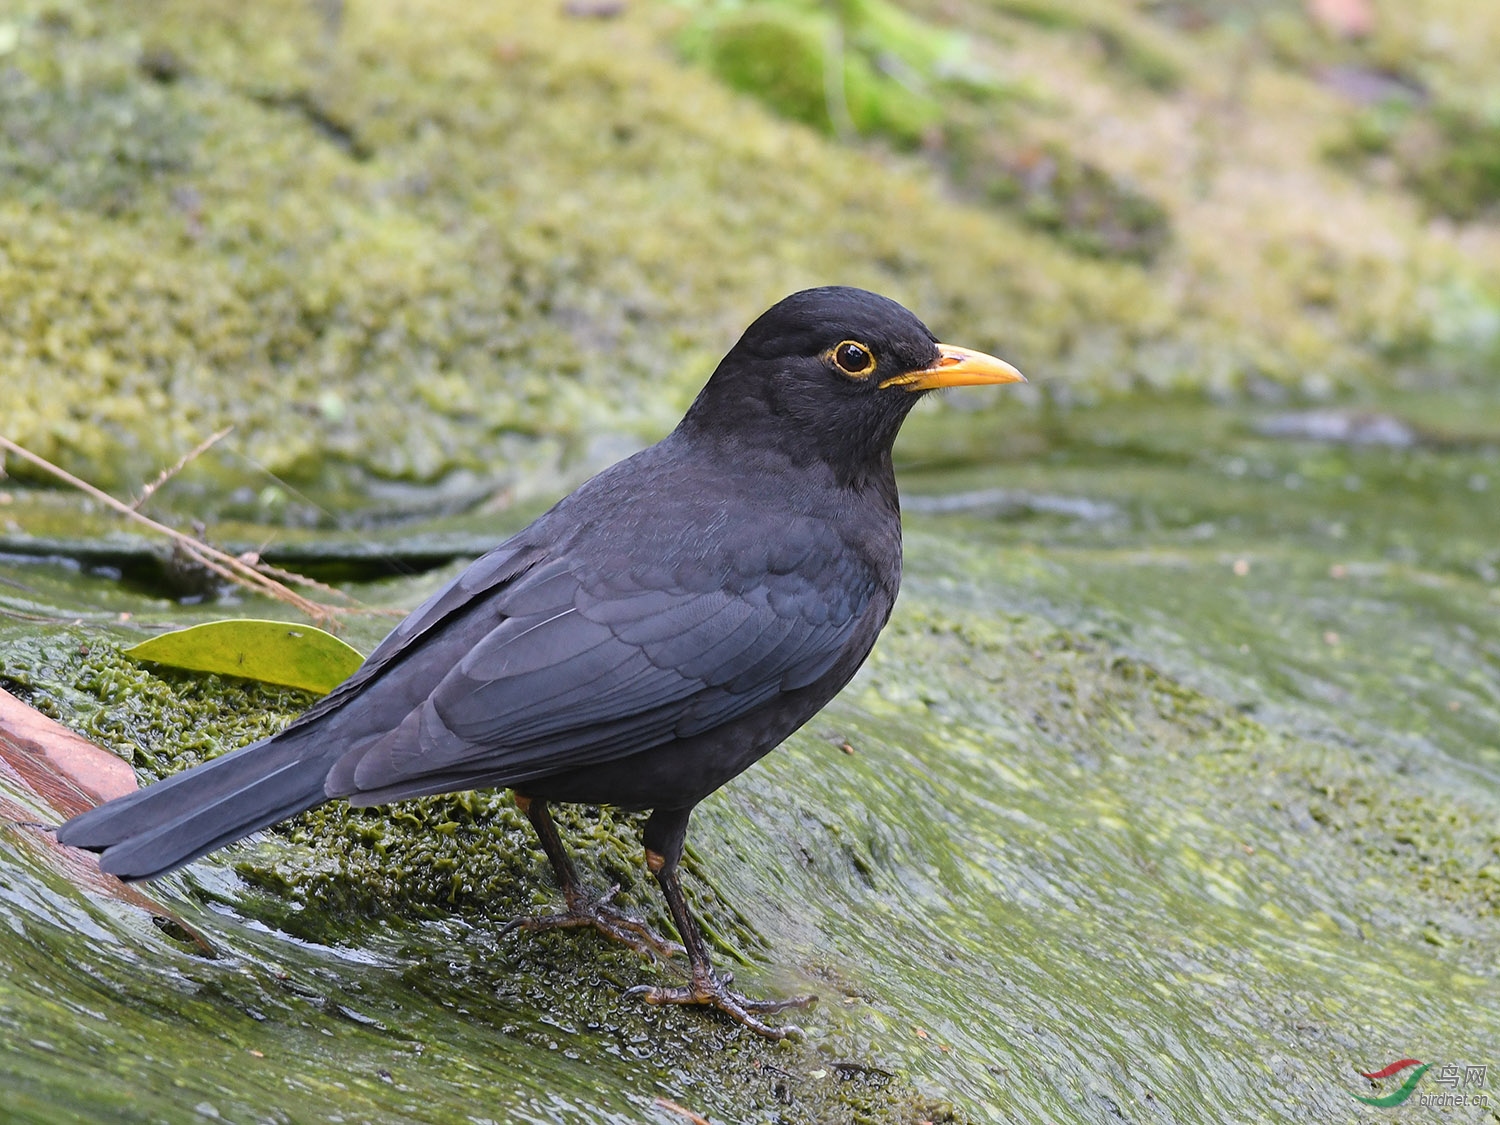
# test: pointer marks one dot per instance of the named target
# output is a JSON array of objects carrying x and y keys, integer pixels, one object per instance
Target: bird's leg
[
  {"x": 665, "y": 834},
  {"x": 584, "y": 910}
]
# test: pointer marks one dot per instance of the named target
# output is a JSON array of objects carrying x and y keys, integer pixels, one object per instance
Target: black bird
[{"x": 644, "y": 641}]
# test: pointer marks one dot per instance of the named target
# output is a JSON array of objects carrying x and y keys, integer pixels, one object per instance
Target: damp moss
[
  {"x": 865, "y": 69},
  {"x": 868, "y": 70},
  {"x": 1447, "y": 155},
  {"x": 440, "y": 286},
  {"x": 469, "y": 852},
  {"x": 1462, "y": 178},
  {"x": 503, "y": 232},
  {"x": 1086, "y": 208},
  {"x": 158, "y": 725},
  {"x": 467, "y": 862}
]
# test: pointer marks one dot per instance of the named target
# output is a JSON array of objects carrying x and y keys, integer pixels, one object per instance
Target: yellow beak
[{"x": 957, "y": 367}]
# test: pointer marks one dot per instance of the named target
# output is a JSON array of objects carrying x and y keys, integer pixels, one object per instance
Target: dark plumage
[{"x": 640, "y": 644}]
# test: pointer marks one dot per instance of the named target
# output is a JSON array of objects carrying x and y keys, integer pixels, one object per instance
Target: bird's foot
[
  {"x": 713, "y": 991},
  {"x": 599, "y": 914}
]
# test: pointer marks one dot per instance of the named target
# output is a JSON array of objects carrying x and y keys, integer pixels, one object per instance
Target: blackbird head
[{"x": 829, "y": 375}]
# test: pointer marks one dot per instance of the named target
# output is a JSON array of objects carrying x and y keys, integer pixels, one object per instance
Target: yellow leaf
[{"x": 273, "y": 652}]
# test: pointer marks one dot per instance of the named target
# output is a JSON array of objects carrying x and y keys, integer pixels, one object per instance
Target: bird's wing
[
  {"x": 489, "y": 572},
  {"x": 573, "y": 669}
]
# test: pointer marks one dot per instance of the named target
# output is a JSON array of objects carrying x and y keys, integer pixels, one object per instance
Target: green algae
[
  {"x": 1105, "y": 829},
  {"x": 421, "y": 891}
]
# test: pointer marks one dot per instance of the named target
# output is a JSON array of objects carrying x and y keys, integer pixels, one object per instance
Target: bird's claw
[
  {"x": 598, "y": 914},
  {"x": 713, "y": 991}
]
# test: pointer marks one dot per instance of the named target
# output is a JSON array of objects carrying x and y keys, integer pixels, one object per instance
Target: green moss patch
[{"x": 392, "y": 247}]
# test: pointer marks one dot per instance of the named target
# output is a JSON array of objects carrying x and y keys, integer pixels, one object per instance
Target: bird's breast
[{"x": 711, "y": 523}]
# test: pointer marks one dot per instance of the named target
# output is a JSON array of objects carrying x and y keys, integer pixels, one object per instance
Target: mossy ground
[{"x": 503, "y": 233}]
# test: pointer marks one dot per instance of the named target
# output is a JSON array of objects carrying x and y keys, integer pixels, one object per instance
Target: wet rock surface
[{"x": 1189, "y": 811}]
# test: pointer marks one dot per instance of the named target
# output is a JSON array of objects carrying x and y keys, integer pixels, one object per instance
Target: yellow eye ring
[{"x": 853, "y": 359}]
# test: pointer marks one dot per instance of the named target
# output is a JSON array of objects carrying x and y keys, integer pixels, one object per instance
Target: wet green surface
[
  {"x": 1173, "y": 790},
  {"x": 1170, "y": 793}
]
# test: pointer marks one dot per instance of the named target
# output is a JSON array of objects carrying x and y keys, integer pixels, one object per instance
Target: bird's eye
[{"x": 853, "y": 359}]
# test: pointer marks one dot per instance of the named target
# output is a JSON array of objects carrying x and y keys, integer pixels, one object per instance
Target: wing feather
[{"x": 587, "y": 672}]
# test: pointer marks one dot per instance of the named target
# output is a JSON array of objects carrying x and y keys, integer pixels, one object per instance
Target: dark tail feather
[{"x": 151, "y": 831}]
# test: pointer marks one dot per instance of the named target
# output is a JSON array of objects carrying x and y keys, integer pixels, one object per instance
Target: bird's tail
[{"x": 153, "y": 830}]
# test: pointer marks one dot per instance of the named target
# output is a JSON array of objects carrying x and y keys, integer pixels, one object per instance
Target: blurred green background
[{"x": 503, "y": 230}]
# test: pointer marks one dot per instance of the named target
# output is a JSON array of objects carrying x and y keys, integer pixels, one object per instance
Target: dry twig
[
  {"x": 292, "y": 578},
  {"x": 226, "y": 566},
  {"x": 167, "y": 474}
]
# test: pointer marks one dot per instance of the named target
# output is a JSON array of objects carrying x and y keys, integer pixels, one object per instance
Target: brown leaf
[
  {"x": 47, "y": 770},
  {"x": 66, "y": 770}
]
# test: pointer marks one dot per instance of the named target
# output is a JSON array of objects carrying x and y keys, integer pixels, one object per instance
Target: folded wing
[{"x": 569, "y": 670}]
